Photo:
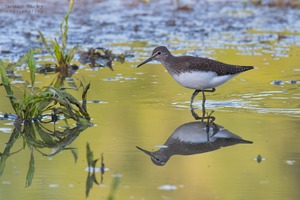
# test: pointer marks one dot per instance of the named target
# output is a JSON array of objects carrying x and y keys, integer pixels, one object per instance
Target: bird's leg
[
  {"x": 210, "y": 118},
  {"x": 196, "y": 92},
  {"x": 212, "y": 90},
  {"x": 193, "y": 97},
  {"x": 203, "y": 105},
  {"x": 194, "y": 114},
  {"x": 203, "y": 101},
  {"x": 210, "y": 124}
]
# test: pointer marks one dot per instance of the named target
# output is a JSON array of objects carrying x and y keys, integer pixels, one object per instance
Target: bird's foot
[
  {"x": 212, "y": 90},
  {"x": 210, "y": 119}
]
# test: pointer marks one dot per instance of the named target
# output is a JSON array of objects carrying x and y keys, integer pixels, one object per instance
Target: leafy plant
[
  {"x": 37, "y": 102},
  {"x": 41, "y": 139},
  {"x": 59, "y": 52}
]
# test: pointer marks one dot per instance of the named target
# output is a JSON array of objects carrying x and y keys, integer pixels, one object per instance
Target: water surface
[{"x": 142, "y": 107}]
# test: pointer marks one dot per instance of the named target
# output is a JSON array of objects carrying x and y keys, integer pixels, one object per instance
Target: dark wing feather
[{"x": 190, "y": 63}]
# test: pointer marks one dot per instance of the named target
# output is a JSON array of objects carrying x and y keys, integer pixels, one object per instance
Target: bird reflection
[{"x": 194, "y": 138}]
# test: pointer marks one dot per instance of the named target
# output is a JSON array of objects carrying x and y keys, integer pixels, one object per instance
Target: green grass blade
[
  {"x": 32, "y": 67},
  {"x": 64, "y": 27},
  {"x": 57, "y": 51},
  {"x": 9, "y": 92},
  {"x": 88, "y": 184},
  {"x": 89, "y": 155},
  {"x": 70, "y": 55},
  {"x": 3, "y": 159},
  {"x": 46, "y": 44},
  {"x": 30, "y": 171},
  {"x": 45, "y": 135},
  {"x": 84, "y": 99},
  {"x": 75, "y": 154}
]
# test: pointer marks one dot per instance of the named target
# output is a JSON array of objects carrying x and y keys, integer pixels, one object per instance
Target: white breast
[
  {"x": 195, "y": 132},
  {"x": 201, "y": 80}
]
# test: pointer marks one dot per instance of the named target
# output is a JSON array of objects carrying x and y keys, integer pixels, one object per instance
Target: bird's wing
[{"x": 205, "y": 64}]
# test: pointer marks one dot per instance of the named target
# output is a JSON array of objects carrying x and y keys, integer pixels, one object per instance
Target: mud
[{"x": 202, "y": 24}]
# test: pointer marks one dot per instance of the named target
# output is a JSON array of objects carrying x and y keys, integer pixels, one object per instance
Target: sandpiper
[
  {"x": 194, "y": 138},
  {"x": 200, "y": 74}
]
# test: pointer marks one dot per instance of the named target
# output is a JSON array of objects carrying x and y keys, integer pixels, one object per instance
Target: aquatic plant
[
  {"x": 91, "y": 177},
  {"x": 10, "y": 66},
  {"x": 37, "y": 137},
  {"x": 58, "y": 50},
  {"x": 277, "y": 3},
  {"x": 100, "y": 57},
  {"x": 37, "y": 103}
]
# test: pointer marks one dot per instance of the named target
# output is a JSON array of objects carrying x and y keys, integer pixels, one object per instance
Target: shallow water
[{"x": 142, "y": 107}]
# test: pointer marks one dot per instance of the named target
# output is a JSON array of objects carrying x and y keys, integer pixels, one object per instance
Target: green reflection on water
[{"x": 37, "y": 137}]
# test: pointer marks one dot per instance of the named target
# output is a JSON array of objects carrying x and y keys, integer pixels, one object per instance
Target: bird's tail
[{"x": 245, "y": 68}]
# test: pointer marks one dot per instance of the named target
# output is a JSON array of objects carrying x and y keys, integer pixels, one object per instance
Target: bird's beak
[
  {"x": 146, "y": 61},
  {"x": 143, "y": 150}
]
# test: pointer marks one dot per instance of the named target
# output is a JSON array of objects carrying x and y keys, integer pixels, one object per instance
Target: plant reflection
[
  {"x": 194, "y": 138},
  {"x": 91, "y": 177},
  {"x": 37, "y": 137}
]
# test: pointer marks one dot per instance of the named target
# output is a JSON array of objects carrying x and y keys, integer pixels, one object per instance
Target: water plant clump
[
  {"x": 39, "y": 138},
  {"x": 55, "y": 98},
  {"x": 100, "y": 57},
  {"x": 37, "y": 102},
  {"x": 58, "y": 50}
]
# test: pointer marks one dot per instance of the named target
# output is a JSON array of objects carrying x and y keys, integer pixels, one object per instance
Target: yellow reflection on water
[{"x": 143, "y": 107}]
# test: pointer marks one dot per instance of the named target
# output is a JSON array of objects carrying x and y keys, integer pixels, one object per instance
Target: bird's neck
[{"x": 168, "y": 63}]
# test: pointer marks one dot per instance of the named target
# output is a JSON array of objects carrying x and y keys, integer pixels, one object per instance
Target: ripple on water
[
  {"x": 239, "y": 104},
  {"x": 53, "y": 185},
  {"x": 281, "y": 82},
  {"x": 6, "y": 130},
  {"x": 167, "y": 187},
  {"x": 234, "y": 103},
  {"x": 6, "y": 182}
]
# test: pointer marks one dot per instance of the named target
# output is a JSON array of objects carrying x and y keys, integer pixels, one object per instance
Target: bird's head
[
  {"x": 156, "y": 158},
  {"x": 159, "y": 54}
]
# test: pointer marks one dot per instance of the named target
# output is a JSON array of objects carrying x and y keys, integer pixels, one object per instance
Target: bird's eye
[
  {"x": 157, "y": 159},
  {"x": 158, "y": 53}
]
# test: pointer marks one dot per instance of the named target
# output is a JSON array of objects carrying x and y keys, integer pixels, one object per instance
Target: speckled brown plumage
[{"x": 178, "y": 64}]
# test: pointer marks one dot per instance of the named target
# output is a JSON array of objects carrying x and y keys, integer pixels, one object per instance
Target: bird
[
  {"x": 198, "y": 73},
  {"x": 194, "y": 138}
]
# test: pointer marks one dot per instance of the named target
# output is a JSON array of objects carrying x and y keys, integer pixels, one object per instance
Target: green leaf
[
  {"x": 71, "y": 54},
  {"x": 89, "y": 155},
  {"x": 9, "y": 92},
  {"x": 57, "y": 51},
  {"x": 83, "y": 96},
  {"x": 64, "y": 27},
  {"x": 30, "y": 171},
  {"x": 75, "y": 154},
  {"x": 32, "y": 67},
  {"x": 88, "y": 184},
  {"x": 45, "y": 136},
  {"x": 3, "y": 159},
  {"x": 46, "y": 44}
]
